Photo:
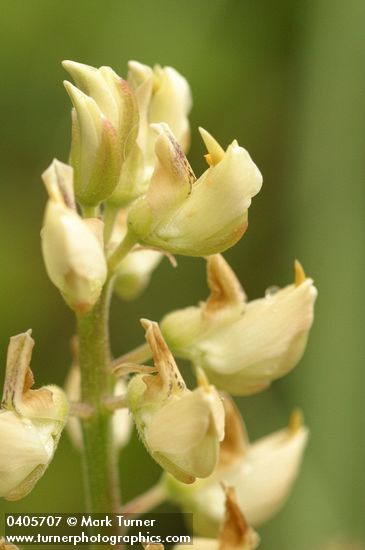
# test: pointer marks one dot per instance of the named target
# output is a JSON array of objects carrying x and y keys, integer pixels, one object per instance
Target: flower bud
[
  {"x": 135, "y": 270},
  {"x": 31, "y": 422},
  {"x": 243, "y": 346},
  {"x": 104, "y": 129},
  {"x": 181, "y": 429},
  {"x": 262, "y": 481},
  {"x": 195, "y": 218},
  {"x": 72, "y": 250},
  {"x": 122, "y": 422},
  {"x": 163, "y": 95}
]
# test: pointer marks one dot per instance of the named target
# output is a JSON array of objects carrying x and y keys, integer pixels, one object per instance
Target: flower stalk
[
  {"x": 137, "y": 355},
  {"x": 99, "y": 456},
  {"x": 145, "y": 502},
  {"x": 121, "y": 251}
]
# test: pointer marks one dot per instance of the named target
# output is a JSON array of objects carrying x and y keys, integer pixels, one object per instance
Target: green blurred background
[{"x": 287, "y": 79}]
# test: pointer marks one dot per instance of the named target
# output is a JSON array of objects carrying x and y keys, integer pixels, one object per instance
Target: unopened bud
[
  {"x": 72, "y": 250},
  {"x": 73, "y": 257},
  {"x": 104, "y": 129},
  {"x": 163, "y": 95}
]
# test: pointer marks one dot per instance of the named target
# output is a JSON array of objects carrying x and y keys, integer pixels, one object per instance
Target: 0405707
[{"x": 32, "y": 521}]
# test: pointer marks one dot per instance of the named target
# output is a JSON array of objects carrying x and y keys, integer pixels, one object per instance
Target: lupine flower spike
[{"x": 128, "y": 197}]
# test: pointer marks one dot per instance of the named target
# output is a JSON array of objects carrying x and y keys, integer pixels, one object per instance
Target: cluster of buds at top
[
  {"x": 112, "y": 143},
  {"x": 31, "y": 422},
  {"x": 129, "y": 139}
]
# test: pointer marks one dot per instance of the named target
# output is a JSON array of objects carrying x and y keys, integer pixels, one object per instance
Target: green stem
[
  {"x": 100, "y": 458},
  {"x": 90, "y": 211},
  {"x": 110, "y": 215},
  {"x": 121, "y": 251}
]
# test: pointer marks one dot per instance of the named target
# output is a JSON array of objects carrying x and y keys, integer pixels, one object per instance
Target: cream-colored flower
[
  {"x": 181, "y": 429},
  {"x": 135, "y": 270},
  {"x": 122, "y": 421},
  {"x": 163, "y": 95},
  {"x": 72, "y": 247},
  {"x": 31, "y": 422},
  {"x": 192, "y": 217},
  {"x": 243, "y": 346},
  {"x": 262, "y": 480},
  {"x": 104, "y": 129}
]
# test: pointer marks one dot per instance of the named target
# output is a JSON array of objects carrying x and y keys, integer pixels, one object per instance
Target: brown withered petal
[
  {"x": 19, "y": 379},
  {"x": 225, "y": 288},
  {"x": 236, "y": 533},
  {"x": 234, "y": 446}
]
